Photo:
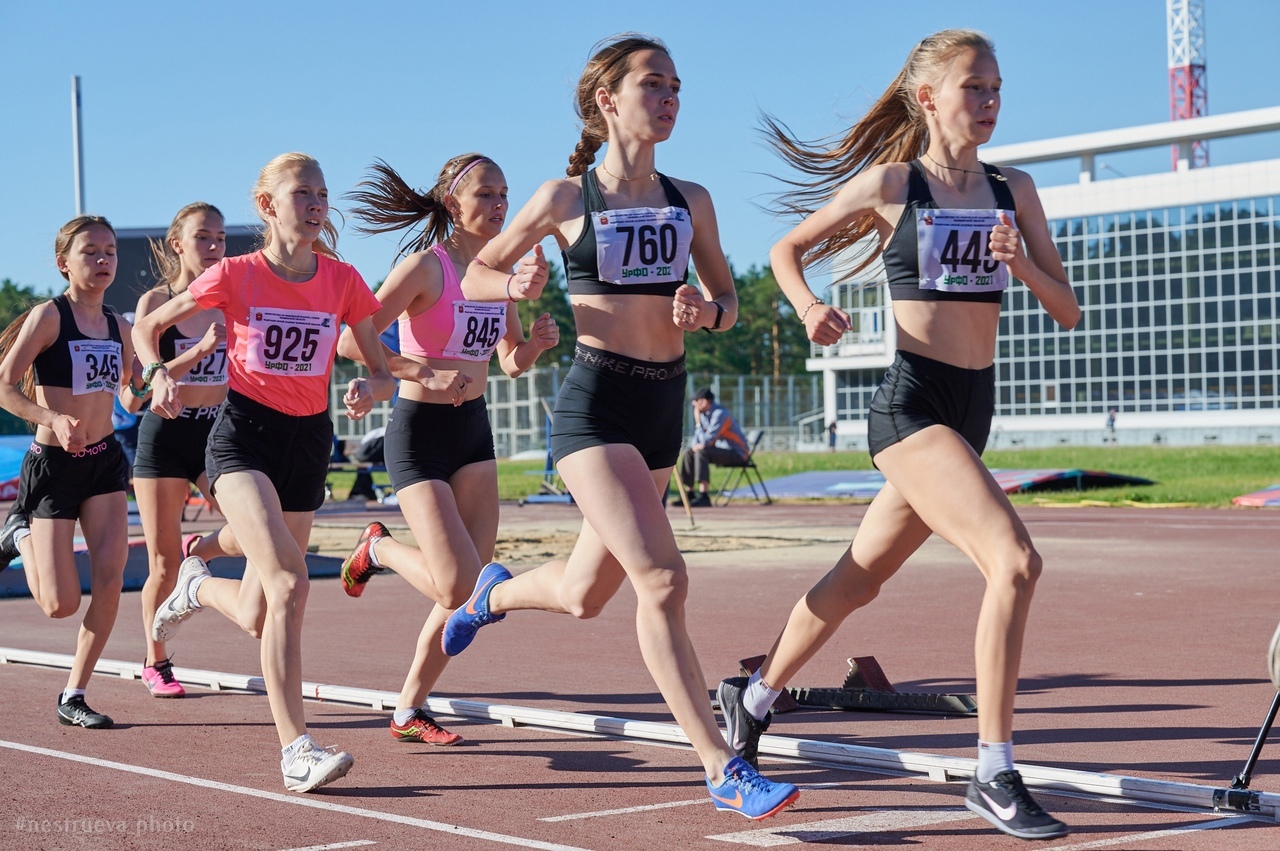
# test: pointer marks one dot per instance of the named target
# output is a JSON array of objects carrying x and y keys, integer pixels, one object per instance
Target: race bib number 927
[
  {"x": 954, "y": 251},
  {"x": 210, "y": 371},
  {"x": 292, "y": 343}
]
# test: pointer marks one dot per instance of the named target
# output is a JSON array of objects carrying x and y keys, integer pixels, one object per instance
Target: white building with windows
[{"x": 1178, "y": 278}]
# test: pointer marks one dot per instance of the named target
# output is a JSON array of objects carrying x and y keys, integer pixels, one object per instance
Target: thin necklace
[
  {"x": 284, "y": 264},
  {"x": 653, "y": 175},
  {"x": 996, "y": 176}
]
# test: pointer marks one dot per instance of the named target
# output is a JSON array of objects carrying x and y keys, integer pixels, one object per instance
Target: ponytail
[
  {"x": 27, "y": 386},
  {"x": 609, "y": 63}
]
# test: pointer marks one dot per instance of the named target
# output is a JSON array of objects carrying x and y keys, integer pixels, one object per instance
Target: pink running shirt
[
  {"x": 454, "y": 328},
  {"x": 281, "y": 335}
]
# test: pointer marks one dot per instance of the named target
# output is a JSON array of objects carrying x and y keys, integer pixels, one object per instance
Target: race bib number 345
[
  {"x": 642, "y": 245},
  {"x": 293, "y": 343},
  {"x": 954, "y": 251},
  {"x": 95, "y": 366}
]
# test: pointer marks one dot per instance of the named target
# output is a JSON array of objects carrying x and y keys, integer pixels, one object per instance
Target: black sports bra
[
  {"x": 84, "y": 364},
  {"x": 636, "y": 251},
  {"x": 955, "y": 247}
]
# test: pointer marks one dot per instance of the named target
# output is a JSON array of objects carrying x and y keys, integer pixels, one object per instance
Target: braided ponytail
[{"x": 609, "y": 63}]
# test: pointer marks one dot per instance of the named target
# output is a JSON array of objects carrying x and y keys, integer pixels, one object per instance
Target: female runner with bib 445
[
  {"x": 908, "y": 176},
  {"x": 171, "y": 451},
  {"x": 63, "y": 361},
  {"x": 283, "y": 306},
  {"x": 627, "y": 233},
  {"x": 439, "y": 447}
]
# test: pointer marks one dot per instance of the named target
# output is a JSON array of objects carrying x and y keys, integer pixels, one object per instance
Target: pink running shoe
[
  {"x": 189, "y": 542},
  {"x": 160, "y": 681}
]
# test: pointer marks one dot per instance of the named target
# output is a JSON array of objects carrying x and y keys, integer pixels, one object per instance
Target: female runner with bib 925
[
  {"x": 283, "y": 306},
  {"x": 62, "y": 368},
  {"x": 627, "y": 233},
  {"x": 439, "y": 446},
  {"x": 951, "y": 232}
]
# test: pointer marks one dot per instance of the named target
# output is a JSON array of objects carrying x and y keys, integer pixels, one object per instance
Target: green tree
[
  {"x": 554, "y": 300},
  {"x": 14, "y": 299},
  {"x": 767, "y": 339}
]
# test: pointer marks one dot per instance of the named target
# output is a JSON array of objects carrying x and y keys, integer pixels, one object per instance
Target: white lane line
[
  {"x": 1213, "y": 824},
  {"x": 820, "y": 831},
  {"x": 355, "y": 843},
  {"x": 625, "y": 810},
  {"x": 295, "y": 800}
]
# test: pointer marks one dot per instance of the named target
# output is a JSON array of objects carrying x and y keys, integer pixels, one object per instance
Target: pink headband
[{"x": 465, "y": 169}]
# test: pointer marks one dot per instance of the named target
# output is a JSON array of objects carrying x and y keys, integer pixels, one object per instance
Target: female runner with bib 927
[
  {"x": 283, "y": 306},
  {"x": 63, "y": 361},
  {"x": 627, "y": 233},
  {"x": 439, "y": 446},
  {"x": 951, "y": 232}
]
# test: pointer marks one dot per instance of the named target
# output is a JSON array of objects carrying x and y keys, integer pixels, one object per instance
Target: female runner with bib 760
[
  {"x": 908, "y": 177},
  {"x": 627, "y": 233},
  {"x": 283, "y": 307}
]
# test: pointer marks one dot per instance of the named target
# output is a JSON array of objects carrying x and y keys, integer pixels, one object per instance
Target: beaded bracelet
[{"x": 805, "y": 312}]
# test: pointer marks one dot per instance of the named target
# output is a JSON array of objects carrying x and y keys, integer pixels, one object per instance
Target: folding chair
[{"x": 742, "y": 472}]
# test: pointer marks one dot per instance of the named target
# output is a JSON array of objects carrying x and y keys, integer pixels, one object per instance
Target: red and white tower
[{"x": 1188, "y": 92}]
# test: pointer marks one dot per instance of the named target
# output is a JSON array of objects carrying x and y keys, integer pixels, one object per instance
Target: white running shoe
[
  {"x": 177, "y": 608},
  {"x": 313, "y": 766},
  {"x": 1273, "y": 658}
]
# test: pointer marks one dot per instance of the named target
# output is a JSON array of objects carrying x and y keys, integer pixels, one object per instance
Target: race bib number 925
[
  {"x": 954, "y": 251},
  {"x": 292, "y": 343}
]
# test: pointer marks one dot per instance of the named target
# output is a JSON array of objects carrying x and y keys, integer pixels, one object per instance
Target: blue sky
[{"x": 186, "y": 101}]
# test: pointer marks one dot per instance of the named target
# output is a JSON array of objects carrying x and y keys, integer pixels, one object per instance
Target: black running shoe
[
  {"x": 744, "y": 730},
  {"x": 15, "y": 521},
  {"x": 1007, "y": 804},
  {"x": 76, "y": 713}
]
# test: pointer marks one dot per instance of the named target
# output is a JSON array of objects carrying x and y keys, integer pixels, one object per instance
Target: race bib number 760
[{"x": 954, "y": 251}]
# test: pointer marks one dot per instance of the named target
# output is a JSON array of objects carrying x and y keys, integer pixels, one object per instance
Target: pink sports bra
[{"x": 454, "y": 328}]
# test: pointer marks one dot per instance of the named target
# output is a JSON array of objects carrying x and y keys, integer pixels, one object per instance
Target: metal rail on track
[{"x": 934, "y": 766}]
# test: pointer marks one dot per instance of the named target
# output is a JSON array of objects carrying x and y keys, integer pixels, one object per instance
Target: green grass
[{"x": 1206, "y": 476}]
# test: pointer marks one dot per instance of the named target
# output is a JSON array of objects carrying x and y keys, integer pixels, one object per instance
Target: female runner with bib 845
[
  {"x": 908, "y": 176},
  {"x": 283, "y": 307},
  {"x": 63, "y": 361},
  {"x": 439, "y": 446},
  {"x": 627, "y": 233}
]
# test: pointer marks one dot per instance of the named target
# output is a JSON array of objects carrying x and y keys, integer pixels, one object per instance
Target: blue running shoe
[
  {"x": 746, "y": 792},
  {"x": 462, "y": 625}
]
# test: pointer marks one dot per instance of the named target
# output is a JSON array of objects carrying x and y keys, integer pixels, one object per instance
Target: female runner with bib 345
[
  {"x": 908, "y": 176},
  {"x": 439, "y": 446},
  {"x": 627, "y": 233},
  {"x": 62, "y": 366},
  {"x": 283, "y": 306}
]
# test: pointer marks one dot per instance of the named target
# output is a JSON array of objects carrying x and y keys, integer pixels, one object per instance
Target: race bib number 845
[
  {"x": 293, "y": 343},
  {"x": 954, "y": 251}
]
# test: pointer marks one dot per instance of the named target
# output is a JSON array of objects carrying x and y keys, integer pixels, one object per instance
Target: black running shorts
[
  {"x": 427, "y": 442},
  {"x": 606, "y": 398},
  {"x": 918, "y": 392},
  {"x": 53, "y": 482},
  {"x": 293, "y": 452},
  {"x": 174, "y": 449}
]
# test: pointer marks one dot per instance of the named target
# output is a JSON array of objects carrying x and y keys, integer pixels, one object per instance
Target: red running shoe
[
  {"x": 423, "y": 728},
  {"x": 359, "y": 568}
]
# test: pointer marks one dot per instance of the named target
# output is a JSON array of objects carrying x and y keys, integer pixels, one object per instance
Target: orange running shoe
[
  {"x": 359, "y": 567},
  {"x": 423, "y": 728}
]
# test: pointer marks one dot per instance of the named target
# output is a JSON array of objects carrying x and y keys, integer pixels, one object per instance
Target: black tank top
[
  {"x": 85, "y": 364},
  {"x": 646, "y": 250},
  {"x": 169, "y": 343},
  {"x": 901, "y": 255}
]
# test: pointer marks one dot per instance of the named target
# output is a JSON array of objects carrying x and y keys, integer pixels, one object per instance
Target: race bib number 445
[
  {"x": 954, "y": 251},
  {"x": 642, "y": 245},
  {"x": 95, "y": 366},
  {"x": 292, "y": 343}
]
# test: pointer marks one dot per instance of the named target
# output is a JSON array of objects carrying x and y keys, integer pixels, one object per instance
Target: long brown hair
[
  {"x": 269, "y": 178},
  {"x": 892, "y": 131},
  {"x": 385, "y": 203},
  {"x": 609, "y": 63},
  {"x": 165, "y": 263},
  {"x": 61, "y": 248}
]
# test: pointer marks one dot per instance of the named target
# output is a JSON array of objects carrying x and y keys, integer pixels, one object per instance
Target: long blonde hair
[
  {"x": 270, "y": 177},
  {"x": 609, "y": 63},
  {"x": 165, "y": 262},
  {"x": 892, "y": 131}
]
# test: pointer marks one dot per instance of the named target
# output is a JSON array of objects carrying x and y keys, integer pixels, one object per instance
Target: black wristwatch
[{"x": 719, "y": 315}]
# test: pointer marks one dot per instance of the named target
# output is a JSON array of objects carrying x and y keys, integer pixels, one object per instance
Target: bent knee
[
  {"x": 1019, "y": 570},
  {"x": 665, "y": 589},
  {"x": 60, "y": 608}
]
